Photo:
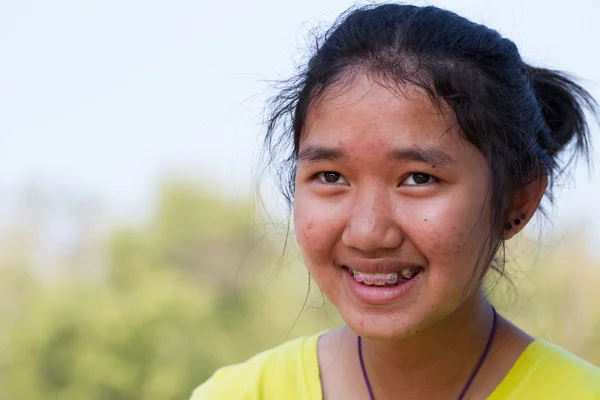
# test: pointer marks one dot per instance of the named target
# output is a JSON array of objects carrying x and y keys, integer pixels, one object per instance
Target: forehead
[{"x": 372, "y": 111}]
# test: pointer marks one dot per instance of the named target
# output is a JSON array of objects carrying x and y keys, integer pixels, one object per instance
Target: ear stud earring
[{"x": 517, "y": 221}]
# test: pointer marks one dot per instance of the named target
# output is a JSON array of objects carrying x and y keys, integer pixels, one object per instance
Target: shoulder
[
  {"x": 287, "y": 371},
  {"x": 556, "y": 360},
  {"x": 548, "y": 371}
]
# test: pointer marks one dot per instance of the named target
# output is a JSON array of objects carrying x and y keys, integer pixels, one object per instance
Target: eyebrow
[
  {"x": 318, "y": 153},
  {"x": 429, "y": 155}
]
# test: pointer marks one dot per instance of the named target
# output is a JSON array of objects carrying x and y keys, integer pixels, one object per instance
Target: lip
[{"x": 380, "y": 295}]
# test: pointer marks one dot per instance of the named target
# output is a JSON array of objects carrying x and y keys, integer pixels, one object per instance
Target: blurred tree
[
  {"x": 175, "y": 304},
  {"x": 553, "y": 294}
]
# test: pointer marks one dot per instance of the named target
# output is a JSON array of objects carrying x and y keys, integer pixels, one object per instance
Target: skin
[{"x": 385, "y": 181}]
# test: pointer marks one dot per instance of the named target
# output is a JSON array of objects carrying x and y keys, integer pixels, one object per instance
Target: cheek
[
  {"x": 449, "y": 231},
  {"x": 316, "y": 226}
]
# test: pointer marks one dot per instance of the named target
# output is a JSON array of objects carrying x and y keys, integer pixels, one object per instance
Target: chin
[
  {"x": 395, "y": 322},
  {"x": 387, "y": 324}
]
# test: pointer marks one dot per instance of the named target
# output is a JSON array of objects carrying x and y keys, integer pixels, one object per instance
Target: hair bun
[{"x": 563, "y": 104}]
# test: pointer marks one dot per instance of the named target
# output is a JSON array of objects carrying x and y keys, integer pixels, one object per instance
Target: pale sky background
[{"x": 100, "y": 99}]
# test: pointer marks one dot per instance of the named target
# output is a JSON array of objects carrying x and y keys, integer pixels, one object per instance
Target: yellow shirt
[{"x": 291, "y": 372}]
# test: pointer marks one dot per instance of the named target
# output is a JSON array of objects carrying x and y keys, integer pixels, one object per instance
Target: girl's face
[{"x": 386, "y": 190}]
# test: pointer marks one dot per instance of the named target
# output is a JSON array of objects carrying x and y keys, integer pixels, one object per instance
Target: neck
[{"x": 448, "y": 351}]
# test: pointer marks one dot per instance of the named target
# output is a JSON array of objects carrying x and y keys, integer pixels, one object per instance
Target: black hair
[{"x": 528, "y": 122}]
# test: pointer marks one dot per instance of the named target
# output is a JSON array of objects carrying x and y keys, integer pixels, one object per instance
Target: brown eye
[
  {"x": 418, "y": 178},
  {"x": 331, "y": 177}
]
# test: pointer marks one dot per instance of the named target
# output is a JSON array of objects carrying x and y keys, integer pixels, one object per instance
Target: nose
[{"x": 372, "y": 223}]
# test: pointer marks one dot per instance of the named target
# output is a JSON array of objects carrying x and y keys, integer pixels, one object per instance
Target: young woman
[{"x": 417, "y": 143}]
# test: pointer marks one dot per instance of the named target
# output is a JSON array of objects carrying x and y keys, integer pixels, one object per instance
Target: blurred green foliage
[{"x": 202, "y": 284}]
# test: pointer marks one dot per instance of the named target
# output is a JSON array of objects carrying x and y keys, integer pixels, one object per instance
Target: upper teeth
[
  {"x": 407, "y": 273},
  {"x": 381, "y": 279}
]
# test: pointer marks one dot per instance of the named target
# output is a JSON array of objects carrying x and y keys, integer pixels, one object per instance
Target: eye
[
  {"x": 419, "y": 179},
  {"x": 330, "y": 177}
]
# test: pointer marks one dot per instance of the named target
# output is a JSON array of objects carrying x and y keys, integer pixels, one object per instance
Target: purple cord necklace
[{"x": 467, "y": 385}]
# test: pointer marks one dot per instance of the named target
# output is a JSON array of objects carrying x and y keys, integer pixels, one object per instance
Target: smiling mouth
[{"x": 385, "y": 280}]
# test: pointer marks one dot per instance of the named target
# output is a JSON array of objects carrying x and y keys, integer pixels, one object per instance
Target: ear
[{"x": 526, "y": 202}]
